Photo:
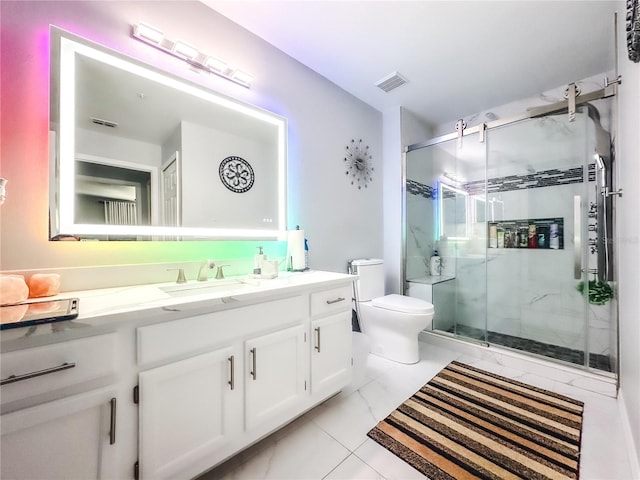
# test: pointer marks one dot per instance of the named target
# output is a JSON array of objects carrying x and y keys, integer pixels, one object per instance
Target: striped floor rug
[{"x": 467, "y": 423}]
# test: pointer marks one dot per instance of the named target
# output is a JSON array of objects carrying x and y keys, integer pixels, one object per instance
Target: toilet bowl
[{"x": 392, "y": 322}]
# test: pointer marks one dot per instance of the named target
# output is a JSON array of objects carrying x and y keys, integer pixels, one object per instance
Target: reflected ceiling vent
[
  {"x": 391, "y": 81},
  {"x": 104, "y": 123}
]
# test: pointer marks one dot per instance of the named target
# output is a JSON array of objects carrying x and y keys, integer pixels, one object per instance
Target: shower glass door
[
  {"x": 445, "y": 211},
  {"x": 538, "y": 224},
  {"x": 521, "y": 225}
]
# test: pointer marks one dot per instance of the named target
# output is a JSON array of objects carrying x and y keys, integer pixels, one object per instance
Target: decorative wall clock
[
  {"x": 633, "y": 30},
  {"x": 358, "y": 162},
  {"x": 236, "y": 174}
]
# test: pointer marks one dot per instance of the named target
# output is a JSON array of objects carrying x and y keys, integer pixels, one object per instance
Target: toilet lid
[{"x": 401, "y": 303}]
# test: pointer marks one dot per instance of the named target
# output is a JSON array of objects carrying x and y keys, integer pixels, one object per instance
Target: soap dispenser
[
  {"x": 257, "y": 262},
  {"x": 435, "y": 264}
]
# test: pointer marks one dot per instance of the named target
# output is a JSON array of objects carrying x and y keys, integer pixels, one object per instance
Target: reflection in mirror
[
  {"x": 453, "y": 212},
  {"x": 495, "y": 209},
  {"x": 143, "y": 155},
  {"x": 479, "y": 206}
]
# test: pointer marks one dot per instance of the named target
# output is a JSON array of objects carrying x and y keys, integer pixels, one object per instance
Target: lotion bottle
[
  {"x": 435, "y": 264},
  {"x": 257, "y": 262}
]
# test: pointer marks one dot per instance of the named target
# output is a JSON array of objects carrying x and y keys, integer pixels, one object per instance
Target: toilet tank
[{"x": 370, "y": 285}]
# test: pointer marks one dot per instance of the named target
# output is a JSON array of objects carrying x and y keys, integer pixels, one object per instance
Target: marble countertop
[{"x": 103, "y": 309}]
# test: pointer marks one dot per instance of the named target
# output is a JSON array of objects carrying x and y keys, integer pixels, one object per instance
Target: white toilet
[{"x": 392, "y": 322}]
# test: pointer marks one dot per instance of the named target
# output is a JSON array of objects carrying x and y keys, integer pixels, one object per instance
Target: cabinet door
[
  {"x": 188, "y": 410},
  {"x": 330, "y": 353},
  {"x": 276, "y": 371},
  {"x": 71, "y": 438}
]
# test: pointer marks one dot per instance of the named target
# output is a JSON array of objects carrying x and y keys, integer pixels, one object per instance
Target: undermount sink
[{"x": 203, "y": 288}]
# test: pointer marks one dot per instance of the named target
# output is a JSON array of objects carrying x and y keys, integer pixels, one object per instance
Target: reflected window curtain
[{"x": 120, "y": 213}]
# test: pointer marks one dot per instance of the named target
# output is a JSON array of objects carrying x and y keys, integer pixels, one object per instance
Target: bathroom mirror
[
  {"x": 139, "y": 154},
  {"x": 479, "y": 207},
  {"x": 454, "y": 212}
]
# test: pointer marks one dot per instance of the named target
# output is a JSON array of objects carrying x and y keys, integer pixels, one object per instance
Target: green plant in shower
[{"x": 599, "y": 292}]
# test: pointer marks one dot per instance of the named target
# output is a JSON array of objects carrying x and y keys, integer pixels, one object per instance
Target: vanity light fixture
[
  {"x": 241, "y": 77},
  {"x": 185, "y": 50},
  {"x": 216, "y": 65},
  {"x": 147, "y": 33},
  {"x": 190, "y": 54}
]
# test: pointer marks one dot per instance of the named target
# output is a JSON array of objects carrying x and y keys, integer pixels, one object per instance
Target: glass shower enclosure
[{"x": 519, "y": 213}]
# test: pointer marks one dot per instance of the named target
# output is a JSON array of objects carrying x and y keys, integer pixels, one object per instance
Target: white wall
[
  {"x": 340, "y": 221},
  {"x": 628, "y": 233},
  {"x": 401, "y": 128}
]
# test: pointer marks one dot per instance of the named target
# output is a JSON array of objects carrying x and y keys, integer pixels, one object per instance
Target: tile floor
[
  {"x": 330, "y": 441},
  {"x": 566, "y": 354}
]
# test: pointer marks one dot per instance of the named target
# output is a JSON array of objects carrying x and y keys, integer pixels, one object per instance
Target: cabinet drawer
[
  {"x": 52, "y": 367},
  {"x": 330, "y": 301},
  {"x": 190, "y": 335}
]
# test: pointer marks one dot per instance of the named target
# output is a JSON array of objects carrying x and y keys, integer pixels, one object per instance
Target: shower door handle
[{"x": 577, "y": 238}]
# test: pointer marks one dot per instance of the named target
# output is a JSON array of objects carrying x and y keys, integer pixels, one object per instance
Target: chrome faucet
[
  {"x": 202, "y": 273},
  {"x": 181, "y": 277},
  {"x": 219, "y": 272}
]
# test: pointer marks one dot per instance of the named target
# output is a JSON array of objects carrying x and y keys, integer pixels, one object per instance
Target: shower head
[
  {"x": 602, "y": 170},
  {"x": 603, "y": 138}
]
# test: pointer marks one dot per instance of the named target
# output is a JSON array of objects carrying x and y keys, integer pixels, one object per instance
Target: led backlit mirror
[
  {"x": 454, "y": 210},
  {"x": 138, "y": 154}
]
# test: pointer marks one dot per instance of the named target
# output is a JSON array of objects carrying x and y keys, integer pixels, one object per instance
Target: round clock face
[
  {"x": 358, "y": 162},
  {"x": 236, "y": 174}
]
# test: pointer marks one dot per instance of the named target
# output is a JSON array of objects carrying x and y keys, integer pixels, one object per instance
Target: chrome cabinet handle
[
  {"x": 112, "y": 431},
  {"x": 46, "y": 371},
  {"x": 253, "y": 373},
  {"x": 317, "y": 347},
  {"x": 339, "y": 299},
  {"x": 231, "y": 382},
  {"x": 577, "y": 238}
]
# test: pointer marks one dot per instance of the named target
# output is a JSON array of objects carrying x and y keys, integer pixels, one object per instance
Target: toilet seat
[{"x": 400, "y": 303}]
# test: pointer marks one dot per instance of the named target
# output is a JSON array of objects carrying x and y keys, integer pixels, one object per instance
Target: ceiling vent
[
  {"x": 105, "y": 123},
  {"x": 391, "y": 81}
]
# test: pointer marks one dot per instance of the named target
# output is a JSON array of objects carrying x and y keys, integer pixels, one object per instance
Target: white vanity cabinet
[
  {"x": 331, "y": 345},
  {"x": 276, "y": 375},
  {"x": 71, "y": 438},
  {"x": 172, "y": 388},
  {"x": 59, "y": 419},
  {"x": 188, "y": 410},
  {"x": 218, "y": 381}
]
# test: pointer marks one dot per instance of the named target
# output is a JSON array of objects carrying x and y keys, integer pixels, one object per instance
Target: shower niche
[{"x": 538, "y": 233}]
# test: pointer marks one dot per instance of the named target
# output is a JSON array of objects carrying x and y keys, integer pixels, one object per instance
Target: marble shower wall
[
  {"x": 420, "y": 232},
  {"x": 525, "y": 293}
]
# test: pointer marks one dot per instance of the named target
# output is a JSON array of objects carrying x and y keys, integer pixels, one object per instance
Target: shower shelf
[
  {"x": 529, "y": 234},
  {"x": 432, "y": 279}
]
